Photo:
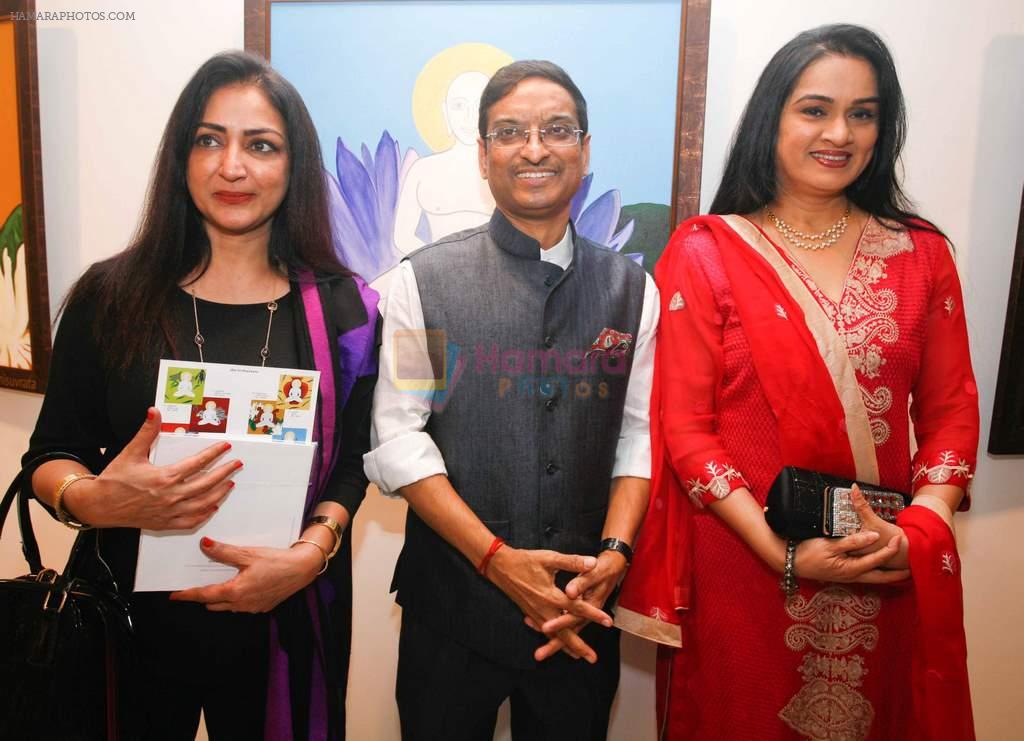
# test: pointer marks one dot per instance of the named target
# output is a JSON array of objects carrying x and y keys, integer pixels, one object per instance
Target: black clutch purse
[
  {"x": 806, "y": 504},
  {"x": 66, "y": 660}
]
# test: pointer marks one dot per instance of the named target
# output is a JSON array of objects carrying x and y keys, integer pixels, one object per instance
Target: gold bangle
[
  {"x": 58, "y": 500},
  {"x": 323, "y": 552},
  {"x": 331, "y": 524}
]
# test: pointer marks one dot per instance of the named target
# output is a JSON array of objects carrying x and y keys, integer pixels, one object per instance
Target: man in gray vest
[{"x": 512, "y": 416}]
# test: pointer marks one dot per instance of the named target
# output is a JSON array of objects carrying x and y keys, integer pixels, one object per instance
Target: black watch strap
[{"x": 619, "y": 546}]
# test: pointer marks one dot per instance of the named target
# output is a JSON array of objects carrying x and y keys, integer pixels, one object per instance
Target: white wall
[{"x": 106, "y": 90}]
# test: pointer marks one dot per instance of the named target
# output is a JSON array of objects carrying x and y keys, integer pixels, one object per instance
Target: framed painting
[
  {"x": 1007, "y": 433},
  {"x": 24, "y": 296},
  {"x": 394, "y": 87}
]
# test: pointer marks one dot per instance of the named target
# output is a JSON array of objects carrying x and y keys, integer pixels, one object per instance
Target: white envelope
[{"x": 264, "y": 509}]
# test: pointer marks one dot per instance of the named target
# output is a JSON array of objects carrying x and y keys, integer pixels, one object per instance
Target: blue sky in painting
[{"x": 355, "y": 64}]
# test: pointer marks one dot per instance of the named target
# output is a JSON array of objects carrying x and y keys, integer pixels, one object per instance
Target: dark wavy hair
[
  {"x": 132, "y": 290},
  {"x": 749, "y": 180},
  {"x": 510, "y": 75}
]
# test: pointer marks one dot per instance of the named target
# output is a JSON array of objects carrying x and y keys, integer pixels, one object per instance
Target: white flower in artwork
[{"x": 15, "y": 341}]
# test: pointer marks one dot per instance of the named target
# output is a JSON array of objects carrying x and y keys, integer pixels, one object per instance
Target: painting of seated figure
[{"x": 394, "y": 90}]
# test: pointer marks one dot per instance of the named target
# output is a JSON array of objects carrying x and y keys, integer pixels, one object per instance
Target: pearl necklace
[
  {"x": 200, "y": 340},
  {"x": 810, "y": 240}
]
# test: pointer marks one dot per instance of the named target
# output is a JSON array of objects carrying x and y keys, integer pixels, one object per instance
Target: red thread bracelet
[{"x": 495, "y": 545}]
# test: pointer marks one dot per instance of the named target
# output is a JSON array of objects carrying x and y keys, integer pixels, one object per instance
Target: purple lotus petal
[
  {"x": 597, "y": 223},
  {"x": 580, "y": 198},
  {"x": 343, "y": 225},
  {"x": 367, "y": 159},
  {"x": 349, "y": 244},
  {"x": 423, "y": 230},
  {"x": 385, "y": 169},
  {"x": 618, "y": 241},
  {"x": 362, "y": 201},
  {"x": 358, "y": 192}
]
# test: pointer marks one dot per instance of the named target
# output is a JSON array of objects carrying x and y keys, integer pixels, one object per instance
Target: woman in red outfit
[{"x": 806, "y": 324}]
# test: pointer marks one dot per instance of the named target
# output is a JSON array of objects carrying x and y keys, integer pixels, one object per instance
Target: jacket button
[
  {"x": 551, "y": 469},
  {"x": 550, "y": 404},
  {"x": 549, "y": 341},
  {"x": 551, "y": 531},
  {"x": 549, "y": 281}
]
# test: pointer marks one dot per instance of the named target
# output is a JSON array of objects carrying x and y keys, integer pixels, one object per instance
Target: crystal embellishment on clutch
[{"x": 844, "y": 519}]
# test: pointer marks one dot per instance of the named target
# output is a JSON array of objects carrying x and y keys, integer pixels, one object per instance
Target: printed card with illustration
[
  {"x": 250, "y": 402},
  {"x": 267, "y": 414}
]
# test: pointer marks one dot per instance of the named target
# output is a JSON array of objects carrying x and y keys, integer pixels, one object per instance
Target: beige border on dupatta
[
  {"x": 830, "y": 345},
  {"x": 648, "y": 627}
]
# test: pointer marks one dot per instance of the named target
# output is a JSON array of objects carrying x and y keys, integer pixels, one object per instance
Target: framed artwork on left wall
[{"x": 24, "y": 296}]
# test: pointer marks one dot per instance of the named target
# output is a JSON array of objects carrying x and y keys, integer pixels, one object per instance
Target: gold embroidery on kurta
[
  {"x": 878, "y": 403},
  {"x": 882, "y": 242},
  {"x": 864, "y": 316},
  {"x": 833, "y": 624}
]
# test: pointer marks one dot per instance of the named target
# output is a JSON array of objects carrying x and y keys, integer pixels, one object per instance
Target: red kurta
[{"x": 738, "y": 401}]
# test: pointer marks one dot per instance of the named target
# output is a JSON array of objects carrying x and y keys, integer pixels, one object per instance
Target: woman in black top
[{"x": 234, "y": 245}]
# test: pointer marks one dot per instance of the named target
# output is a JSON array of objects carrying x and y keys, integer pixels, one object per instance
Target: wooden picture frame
[
  {"x": 25, "y": 340},
  {"x": 695, "y": 17},
  {"x": 1006, "y": 436}
]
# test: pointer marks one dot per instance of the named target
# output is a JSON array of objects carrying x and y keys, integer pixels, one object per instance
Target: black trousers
[
  {"x": 191, "y": 660},
  {"x": 447, "y": 691}
]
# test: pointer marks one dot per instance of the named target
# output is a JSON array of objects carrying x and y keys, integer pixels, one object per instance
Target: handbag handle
[
  {"x": 5, "y": 505},
  {"x": 85, "y": 540}
]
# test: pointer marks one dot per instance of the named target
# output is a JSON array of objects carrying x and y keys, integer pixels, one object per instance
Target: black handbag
[
  {"x": 66, "y": 658},
  {"x": 806, "y": 504}
]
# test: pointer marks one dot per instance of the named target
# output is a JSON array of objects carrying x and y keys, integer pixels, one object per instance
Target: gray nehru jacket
[{"x": 538, "y": 365}]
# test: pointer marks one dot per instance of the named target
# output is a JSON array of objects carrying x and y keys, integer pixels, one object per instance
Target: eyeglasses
[{"x": 554, "y": 135}]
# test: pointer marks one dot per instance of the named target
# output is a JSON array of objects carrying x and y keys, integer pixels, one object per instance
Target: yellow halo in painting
[{"x": 435, "y": 77}]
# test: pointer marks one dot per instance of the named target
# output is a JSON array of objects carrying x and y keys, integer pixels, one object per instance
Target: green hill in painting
[
  {"x": 650, "y": 233},
  {"x": 12, "y": 235}
]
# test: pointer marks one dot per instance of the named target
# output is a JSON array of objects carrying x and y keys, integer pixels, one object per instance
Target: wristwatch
[{"x": 619, "y": 546}]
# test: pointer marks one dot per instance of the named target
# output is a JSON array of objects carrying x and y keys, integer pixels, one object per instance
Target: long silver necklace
[
  {"x": 810, "y": 240},
  {"x": 200, "y": 340}
]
